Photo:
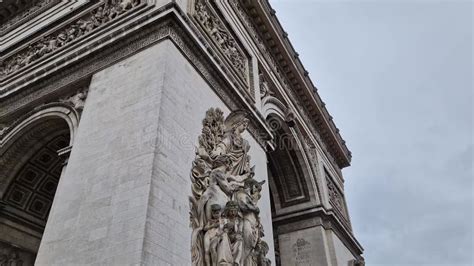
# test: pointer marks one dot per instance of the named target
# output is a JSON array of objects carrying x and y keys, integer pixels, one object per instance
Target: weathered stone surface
[
  {"x": 132, "y": 90},
  {"x": 99, "y": 213},
  {"x": 304, "y": 247}
]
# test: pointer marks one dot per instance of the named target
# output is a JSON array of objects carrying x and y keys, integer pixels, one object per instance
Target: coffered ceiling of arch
[
  {"x": 32, "y": 190},
  {"x": 288, "y": 177}
]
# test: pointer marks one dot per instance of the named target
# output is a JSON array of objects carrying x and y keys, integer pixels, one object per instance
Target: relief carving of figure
[
  {"x": 77, "y": 100},
  {"x": 234, "y": 230},
  {"x": 247, "y": 198},
  {"x": 211, "y": 237},
  {"x": 109, "y": 10},
  {"x": 224, "y": 213}
]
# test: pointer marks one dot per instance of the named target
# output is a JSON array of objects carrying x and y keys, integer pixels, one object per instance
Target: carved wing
[{"x": 211, "y": 136}]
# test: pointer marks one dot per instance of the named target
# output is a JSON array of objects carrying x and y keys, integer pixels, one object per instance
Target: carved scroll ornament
[{"x": 224, "y": 213}]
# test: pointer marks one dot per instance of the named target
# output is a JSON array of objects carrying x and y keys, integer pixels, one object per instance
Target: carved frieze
[
  {"x": 14, "y": 256},
  {"x": 108, "y": 10},
  {"x": 224, "y": 213},
  {"x": 276, "y": 70},
  {"x": 29, "y": 10},
  {"x": 222, "y": 37},
  {"x": 336, "y": 198}
]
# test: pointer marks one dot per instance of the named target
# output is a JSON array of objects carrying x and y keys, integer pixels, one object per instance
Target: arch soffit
[
  {"x": 47, "y": 111},
  {"x": 273, "y": 107},
  {"x": 22, "y": 138}
]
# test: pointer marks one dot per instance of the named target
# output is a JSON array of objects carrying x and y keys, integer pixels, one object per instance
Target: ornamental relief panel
[
  {"x": 11, "y": 256},
  {"x": 75, "y": 100},
  {"x": 107, "y": 11},
  {"x": 275, "y": 69},
  {"x": 336, "y": 198},
  {"x": 221, "y": 36},
  {"x": 26, "y": 11}
]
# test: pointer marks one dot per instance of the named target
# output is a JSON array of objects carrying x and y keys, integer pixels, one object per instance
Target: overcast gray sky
[{"x": 397, "y": 77}]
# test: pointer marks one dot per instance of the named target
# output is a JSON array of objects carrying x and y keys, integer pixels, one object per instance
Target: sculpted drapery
[{"x": 224, "y": 213}]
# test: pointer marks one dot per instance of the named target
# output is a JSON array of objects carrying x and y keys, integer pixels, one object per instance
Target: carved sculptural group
[{"x": 224, "y": 213}]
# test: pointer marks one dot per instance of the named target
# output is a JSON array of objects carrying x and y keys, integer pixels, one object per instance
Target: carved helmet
[{"x": 235, "y": 118}]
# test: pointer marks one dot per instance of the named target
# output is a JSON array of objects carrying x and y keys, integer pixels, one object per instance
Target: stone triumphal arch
[{"x": 164, "y": 133}]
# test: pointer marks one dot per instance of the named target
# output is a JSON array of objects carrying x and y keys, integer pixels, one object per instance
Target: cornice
[
  {"x": 100, "y": 15},
  {"x": 22, "y": 13},
  {"x": 295, "y": 77},
  {"x": 113, "y": 42}
]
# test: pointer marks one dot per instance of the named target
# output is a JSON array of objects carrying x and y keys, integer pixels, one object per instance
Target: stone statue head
[
  {"x": 215, "y": 211},
  {"x": 253, "y": 184},
  {"x": 237, "y": 121},
  {"x": 231, "y": 209}
]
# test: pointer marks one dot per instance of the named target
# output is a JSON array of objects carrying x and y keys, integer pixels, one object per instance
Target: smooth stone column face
[
  {"x": 186, "y": 98},
  {"x": 307, "y": 247},
  {"x": 341, "y": 254},
  {"x": 99, "y": 212}
]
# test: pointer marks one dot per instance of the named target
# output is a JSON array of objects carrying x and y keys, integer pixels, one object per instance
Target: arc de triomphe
[{"x": 164, "y": 133}]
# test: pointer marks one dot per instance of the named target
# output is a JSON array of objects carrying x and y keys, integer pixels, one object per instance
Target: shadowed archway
[{"x": 30, "y": 169}]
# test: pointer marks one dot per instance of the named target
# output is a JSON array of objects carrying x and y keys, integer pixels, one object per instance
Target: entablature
[
  {"x": 288, "y": 70},
  {"x": 139, "y": 26}
]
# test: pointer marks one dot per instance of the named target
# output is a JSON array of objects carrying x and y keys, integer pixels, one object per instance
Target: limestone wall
[{"x": 124, "y": 196}]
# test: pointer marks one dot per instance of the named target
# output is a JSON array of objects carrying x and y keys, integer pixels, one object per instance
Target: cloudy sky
[{"x": 397, "y": 77}]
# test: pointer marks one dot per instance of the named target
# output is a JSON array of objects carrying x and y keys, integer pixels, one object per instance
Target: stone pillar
[
  {"x": 123, "y": 198},
  {"x": 305, "y": 247},
  {"x": 314, "y": 239},
  {"x": 100, "y": 208}
]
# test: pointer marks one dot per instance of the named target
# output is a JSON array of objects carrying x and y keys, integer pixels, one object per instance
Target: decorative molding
[
  {"x": 20, "y": 147},
  {"x": 29, "y": 130},
  {"x": 33, "y": 8},
  {"x": 288, "y": 176},
  {"x": 224, "y": 213},
  {"x": 336, "y": 199},
  {"x": 60, "y": 76},
  {"x": 222, "y": 37},
  {"x": 11, "y": 255},
  {"x": 76, "y": 100},
  {"x": 32, "y": 191},
  {"x": 107, "y": 11},
  {"x": 263, "y": 85},
  {"x": 323, "y": 138},
  {"x": 6, "y": 128}
]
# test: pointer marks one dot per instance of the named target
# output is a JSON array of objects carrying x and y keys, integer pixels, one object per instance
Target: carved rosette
[
  {"x": 108, "y": 10},
  {"x": 223, "y": 207}
]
